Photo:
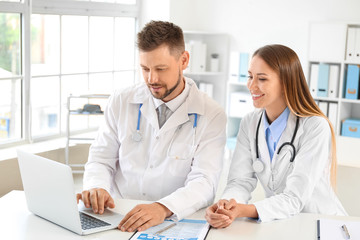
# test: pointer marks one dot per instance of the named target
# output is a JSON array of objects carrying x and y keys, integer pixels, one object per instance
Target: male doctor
[{"x": 162, "y": 141}]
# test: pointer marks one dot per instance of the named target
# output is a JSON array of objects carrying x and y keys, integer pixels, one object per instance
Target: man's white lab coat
[{"x": 149, "y": 169}]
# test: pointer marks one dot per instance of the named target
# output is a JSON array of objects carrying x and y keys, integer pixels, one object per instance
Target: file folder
[
  {"x": 324, "y": 107},
  {"x": 352, "y": 82},
  {"x": 332, "y": 114},
  {"x": 199, "y": 56},
  {"x": 323, "y": 80},
  {"x": 333, "y": 81},
  {"x": 357, "y": 46},
  {"x": 243, "y": 68},
  {"x": 234, "y": 66},
  {"x": 350, "y": 44},
  {"x": 314, "y": 74}
]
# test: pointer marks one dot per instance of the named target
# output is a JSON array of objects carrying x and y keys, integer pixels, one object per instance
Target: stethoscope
[
  {"x": 137, "y": 135},
  {"x": 258, "y": 165}
]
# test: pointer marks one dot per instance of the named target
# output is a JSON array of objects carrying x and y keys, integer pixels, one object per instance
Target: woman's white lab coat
[
  {"x": 149, "y": 170},
  {"x": 303, "y": 186}
]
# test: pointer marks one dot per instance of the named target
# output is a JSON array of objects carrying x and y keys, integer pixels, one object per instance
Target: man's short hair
[{"x": 156, "y": 33}]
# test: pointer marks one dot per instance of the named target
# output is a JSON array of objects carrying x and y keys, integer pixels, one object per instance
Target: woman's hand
[
  {"x": 224, "y": 212},
  {"x": 219, "y": 217}
]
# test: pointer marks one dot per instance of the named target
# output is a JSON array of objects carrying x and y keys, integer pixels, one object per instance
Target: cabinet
[
  {"x": 239, "y": 101},
  {"x": 88, "y": 119},
  {"x": 208, "y": 65},
  {"x": 334, "y": 50}
]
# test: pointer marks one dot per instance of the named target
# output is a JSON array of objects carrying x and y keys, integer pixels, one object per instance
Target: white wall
[
  {"x": 154, "y": 10},
  {"x": 254, "y": 23}
]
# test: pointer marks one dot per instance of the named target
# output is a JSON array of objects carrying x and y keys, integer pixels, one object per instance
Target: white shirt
[
  {"x": 303, "y": 186},
  {"x": 148, "y": 170},
  {"x": 173, "y": 104}
]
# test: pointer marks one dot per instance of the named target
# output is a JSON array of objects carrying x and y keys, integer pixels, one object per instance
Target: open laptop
[{"x": 50, "y": 194}]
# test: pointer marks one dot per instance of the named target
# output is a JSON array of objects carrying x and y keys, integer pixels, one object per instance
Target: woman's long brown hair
[{"x": 286, "y": 63}]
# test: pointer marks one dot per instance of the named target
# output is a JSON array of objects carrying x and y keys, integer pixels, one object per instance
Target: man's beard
[{"x": 167, "y": 91}]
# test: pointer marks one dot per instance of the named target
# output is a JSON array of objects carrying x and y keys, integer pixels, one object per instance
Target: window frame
[{"x": 55, "y": 7}]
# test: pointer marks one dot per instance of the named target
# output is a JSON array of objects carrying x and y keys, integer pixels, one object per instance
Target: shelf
[
  {"x": 350, "y": 101},
  {"x": 317, "y": 61},
  {"x": 90, "y": 96},
  {"x": 204, "y": 73},
  {"x": 238, "y": 83},
  {"x": 351, "y": 62},
  {"x": 85, "y": 114},
  {"x": 326, "y": 99},
  {"x": 324, "y": 48},
  {"x": 81, "y": 137}
]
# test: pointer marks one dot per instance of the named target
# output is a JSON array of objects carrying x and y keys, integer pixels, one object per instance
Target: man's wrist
[{"x": 167, "y": 211}]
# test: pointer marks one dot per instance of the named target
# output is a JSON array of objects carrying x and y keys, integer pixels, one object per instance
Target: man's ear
[{"x": 184, "y": 59}]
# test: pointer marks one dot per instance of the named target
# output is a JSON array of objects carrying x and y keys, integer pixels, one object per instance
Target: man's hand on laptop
[
  {"x": 144, "y": 216},
  {"x": 97, "y": 198}
]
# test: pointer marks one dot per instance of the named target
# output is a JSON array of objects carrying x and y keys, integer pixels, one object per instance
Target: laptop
[{"x": 50, "y": 194}]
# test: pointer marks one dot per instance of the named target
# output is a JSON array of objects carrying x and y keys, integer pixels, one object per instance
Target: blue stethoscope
[
  {"x": 258, "y": 165},
  {"x": 137, "y": 135}
]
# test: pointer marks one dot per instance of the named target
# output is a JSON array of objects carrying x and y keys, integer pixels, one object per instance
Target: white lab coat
[
  {"x": 303, "y": 186},
  {"x": 144, "y": 170}
]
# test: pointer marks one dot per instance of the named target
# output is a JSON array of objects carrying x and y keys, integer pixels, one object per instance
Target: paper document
[
  {"x": 186, "y": 229},
  {"x": 329, "y": 229}
]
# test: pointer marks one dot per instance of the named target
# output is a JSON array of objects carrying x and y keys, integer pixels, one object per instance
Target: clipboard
[
  {"x": 331, "y": 229},
  {"x": 184, "y": 229}
]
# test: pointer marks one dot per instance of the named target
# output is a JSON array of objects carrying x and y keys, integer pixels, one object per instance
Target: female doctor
[{"x": 287, "y": 144}]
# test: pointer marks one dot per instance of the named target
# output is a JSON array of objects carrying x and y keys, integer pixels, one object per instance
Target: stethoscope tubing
[
  {"x": 139, "y": 117},
  {"x": 291, "y": 144}
]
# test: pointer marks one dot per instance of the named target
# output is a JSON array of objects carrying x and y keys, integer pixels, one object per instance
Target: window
[
  {"x": 77, "y": 47},
  {"x": 10, "y": 77}
]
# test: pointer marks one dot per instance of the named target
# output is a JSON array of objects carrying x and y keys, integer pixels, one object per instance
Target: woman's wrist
[{"x": 247, "y": 210}]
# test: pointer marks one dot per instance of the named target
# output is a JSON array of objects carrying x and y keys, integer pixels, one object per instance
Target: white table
[{"x": 16, "y": 222}]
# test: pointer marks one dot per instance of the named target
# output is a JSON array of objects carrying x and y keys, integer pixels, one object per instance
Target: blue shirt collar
[{"x": 278, "y": 126}]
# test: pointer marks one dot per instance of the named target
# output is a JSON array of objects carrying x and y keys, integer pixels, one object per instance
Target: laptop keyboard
[{"x": 89, "y": 222}]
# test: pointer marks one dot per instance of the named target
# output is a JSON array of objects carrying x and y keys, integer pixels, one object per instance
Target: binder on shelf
[
  {"x": 239, "y": 63},
  {"x": 332, "y": 114},
  {"x": 234, "y": 67},
  {"x": 323, "y": 80},
  {"x": 350, "y": 44},
  {"x": 357, "y": 46},
  {"x": 352, "y": 82},
  {"x": 324, "y": 107},
  {"x": 207, "y": 88},
  {"x": 244, "y": 62},
  {"x": 314, "y": 74},
  {"x": 333, "y": 81},
  {"x": 197, "y": 51}
]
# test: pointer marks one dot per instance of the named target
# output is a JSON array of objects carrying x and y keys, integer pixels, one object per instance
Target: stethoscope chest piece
[
  {"x": 137, "y": 136},
  {"x": 258, "y": 166}
]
